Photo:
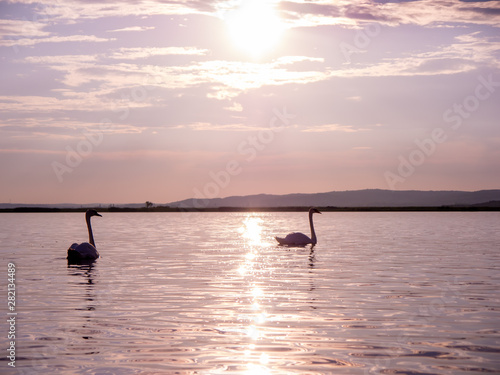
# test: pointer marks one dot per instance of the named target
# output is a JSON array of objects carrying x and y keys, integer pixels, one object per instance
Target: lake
[{"x": 211, "y": 293}]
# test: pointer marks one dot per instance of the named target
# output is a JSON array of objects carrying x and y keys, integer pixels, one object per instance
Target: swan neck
[
  {"x": 89, "y": 227},
  {"x": 313, "y": 233}
]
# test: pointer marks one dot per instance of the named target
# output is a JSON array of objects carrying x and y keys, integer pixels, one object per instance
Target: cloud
[
  {"x": 105, "y": 86},
  {"x": 146, "y": 52},
  {"x": 332, "y": 128},
  {"x": 231, "y": 78},
  {"x": 297, "y": 13},
  {"x": 20, "y": 32},
  {"x": 206, "y": 126},
  {"x": 235, "y": 107},
  {"x": 429, "y": 12},
  {"x": 370, "y": 13},
  {"x": 389, "y": 12},
  {"x": 483, "y": 11},
  {"x": 18, "y": 28},
  {"x": 469, "y": 52},
  {"x": 30, "y": 151},
  {"x": 72, "y": 11},
  {"x": 132, "y": 28},
  {"x": 393, "y": 1},
  {"x": 476, "y": 1},
  {"x": 310, "y": 8},
  {"x": 53, "y": 39},
  {"x": 59, "y": 128}
]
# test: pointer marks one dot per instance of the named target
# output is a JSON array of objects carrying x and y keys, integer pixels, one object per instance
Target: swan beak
[{"x": 96, "y": 214}]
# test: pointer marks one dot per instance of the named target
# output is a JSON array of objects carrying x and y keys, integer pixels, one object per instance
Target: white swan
[
  {"x": 86, "y": 250},
  {"x": 300, "y": 239}
]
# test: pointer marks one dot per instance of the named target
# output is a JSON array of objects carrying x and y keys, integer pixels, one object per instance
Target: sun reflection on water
[
  {"x": 252, "y": 230},
  {"x": 257, "y": 292},
  {"x": 255, "y": 317},
  {"x": 224, "y": 302},
  {"x": 255, "y": 369}
]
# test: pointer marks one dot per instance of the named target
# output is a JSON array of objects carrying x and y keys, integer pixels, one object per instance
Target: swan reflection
[
  {"x": 85, "y": 291},
  {"x": 85, "y": 270},
  {"x": 312, "y": 258}
]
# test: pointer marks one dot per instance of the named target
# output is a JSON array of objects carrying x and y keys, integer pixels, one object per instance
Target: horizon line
[{"x": 247, "y": 195}]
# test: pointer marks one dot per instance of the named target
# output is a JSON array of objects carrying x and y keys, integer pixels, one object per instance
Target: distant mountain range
[{"x": 350, "y": 198}]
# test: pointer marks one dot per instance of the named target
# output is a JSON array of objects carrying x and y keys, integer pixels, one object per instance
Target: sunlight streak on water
[
  {"x": 252, "y": 230},
  {"x": 211, "y": 293}
]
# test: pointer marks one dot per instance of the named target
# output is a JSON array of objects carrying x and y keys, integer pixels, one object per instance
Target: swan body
[
  {"x": 85, "y": 250},
  {"x": 300, "y": 239}
]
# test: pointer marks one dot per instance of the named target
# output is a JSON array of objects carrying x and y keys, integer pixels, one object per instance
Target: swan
[
  {"x": 300, "y": 239},
  {"x": 85, "y": 250}
]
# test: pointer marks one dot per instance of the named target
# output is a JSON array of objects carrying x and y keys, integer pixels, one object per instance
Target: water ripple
[{"x": 211, "y": 293}]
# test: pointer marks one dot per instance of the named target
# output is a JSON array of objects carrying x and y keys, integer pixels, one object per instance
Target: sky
[{"x": 134, "y": 101}]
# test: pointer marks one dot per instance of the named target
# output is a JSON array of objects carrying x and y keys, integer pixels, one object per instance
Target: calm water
[{"x": 211, "y": 293}]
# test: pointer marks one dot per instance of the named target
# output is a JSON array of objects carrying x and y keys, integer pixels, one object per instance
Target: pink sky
[{"x": 119, "y": 102}]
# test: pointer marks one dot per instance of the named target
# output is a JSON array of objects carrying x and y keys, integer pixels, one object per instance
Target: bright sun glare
[{"x": 255, "y": 27}]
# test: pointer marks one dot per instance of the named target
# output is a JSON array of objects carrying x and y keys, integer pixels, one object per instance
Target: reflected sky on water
[{"x": 212, "y": 293}]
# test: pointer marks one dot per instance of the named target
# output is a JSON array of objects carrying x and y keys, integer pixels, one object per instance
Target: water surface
[{"x": 211, "y": 293}]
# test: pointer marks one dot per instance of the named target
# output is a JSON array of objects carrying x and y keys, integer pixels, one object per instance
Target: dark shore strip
[{"x": 482, "y": 207}]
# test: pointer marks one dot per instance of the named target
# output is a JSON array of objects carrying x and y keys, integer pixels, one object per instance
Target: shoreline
[{"x": 479, "y": 208}]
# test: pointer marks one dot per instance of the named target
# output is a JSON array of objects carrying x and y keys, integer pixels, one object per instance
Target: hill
[
  {"x": 352, "y": 198},
  {"x": 356, "y": 199}
]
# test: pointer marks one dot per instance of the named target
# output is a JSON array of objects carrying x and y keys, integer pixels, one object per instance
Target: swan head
[
  {"x": 91, "y": 213},
  {"x": 314, "y": 210}
]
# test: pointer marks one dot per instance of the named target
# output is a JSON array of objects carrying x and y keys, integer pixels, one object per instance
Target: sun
[{"x": 255, "y": 27}]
